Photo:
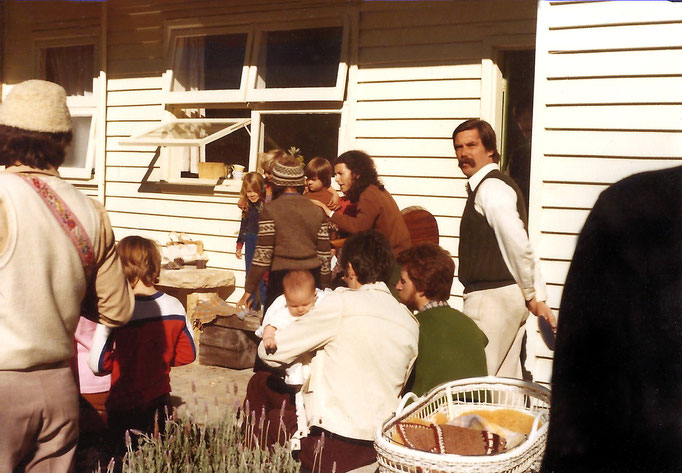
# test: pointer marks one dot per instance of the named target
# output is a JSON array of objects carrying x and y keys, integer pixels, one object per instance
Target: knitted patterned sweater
[{"x": 292, "y": 234}]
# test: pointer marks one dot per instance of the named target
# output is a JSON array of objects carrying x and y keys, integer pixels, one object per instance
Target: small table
[{"x": 191, "y": 285}]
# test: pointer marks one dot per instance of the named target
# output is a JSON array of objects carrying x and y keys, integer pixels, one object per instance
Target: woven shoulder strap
[{"x": 67, "y": 220}]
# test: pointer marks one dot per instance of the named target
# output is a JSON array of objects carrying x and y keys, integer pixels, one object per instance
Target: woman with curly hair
[{"x": 357, "y": 177}]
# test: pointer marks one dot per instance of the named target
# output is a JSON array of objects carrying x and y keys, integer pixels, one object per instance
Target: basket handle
[
  {"x": 404, "y": 400},
  {"x": 536, "y": 426}
]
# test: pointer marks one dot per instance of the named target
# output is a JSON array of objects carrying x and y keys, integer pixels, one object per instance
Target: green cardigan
[{"x": 451, "y": 346}]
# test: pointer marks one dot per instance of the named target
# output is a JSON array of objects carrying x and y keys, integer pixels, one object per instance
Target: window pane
[
  {"x": 72, "y": 67},
  {"x": 77, "y": 153},
  {"x": 313, "y": 134},
  {"x": 209, "y": 62},
  {"x": 233, "y": 148},
  {"x": 299, "y": 58}
]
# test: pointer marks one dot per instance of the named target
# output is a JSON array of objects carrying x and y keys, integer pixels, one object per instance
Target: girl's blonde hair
[
  {"x": 269, "y": 158},
  {"x": 252, "y": 181},
  {"x": 140, "y": 259}
]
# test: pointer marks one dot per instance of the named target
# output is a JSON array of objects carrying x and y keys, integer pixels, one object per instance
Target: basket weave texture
[{"x": 454, "y": 398}]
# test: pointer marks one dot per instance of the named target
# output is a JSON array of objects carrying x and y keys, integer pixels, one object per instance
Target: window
[
  {"x": 314, "y": 134},
  {"x": 303, "y": 62},
  {"x": 287, "y": 79},
  {"x": 72, "y": 67},
  {"x": 188, "y": 142},
  {"x": 71, "y": 63}
]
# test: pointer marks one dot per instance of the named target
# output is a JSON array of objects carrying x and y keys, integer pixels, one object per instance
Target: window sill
[{"x": 195, "y": 186}]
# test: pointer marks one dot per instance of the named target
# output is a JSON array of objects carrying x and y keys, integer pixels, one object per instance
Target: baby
[{"x": 300, "y": 295}]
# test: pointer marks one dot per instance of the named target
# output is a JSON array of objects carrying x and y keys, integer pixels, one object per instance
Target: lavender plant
[{"x": 229, "y": 445}]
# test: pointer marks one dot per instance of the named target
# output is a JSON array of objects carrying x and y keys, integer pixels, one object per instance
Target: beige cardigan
[{"x": 366, "y": 344}]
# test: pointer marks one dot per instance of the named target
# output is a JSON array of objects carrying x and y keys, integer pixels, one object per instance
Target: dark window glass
[
  {"x": 300, "y": 58},
  {"x": 72, "y": 67},
  {"x": 313, "y": 134},
  {"x": 209, "y": 62}
]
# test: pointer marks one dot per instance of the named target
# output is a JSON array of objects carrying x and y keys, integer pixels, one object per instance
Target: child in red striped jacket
[{"x": 139, "y": 355}]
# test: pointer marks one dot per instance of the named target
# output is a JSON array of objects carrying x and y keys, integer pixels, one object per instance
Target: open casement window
[
  {"x": 295, "y": 61},
  {"x": 186, "y": 144}
]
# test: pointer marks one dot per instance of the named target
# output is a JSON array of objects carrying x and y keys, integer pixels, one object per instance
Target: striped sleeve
[
  {"x": 324, "y": 253},
  {"x": 265, "y": 249}
]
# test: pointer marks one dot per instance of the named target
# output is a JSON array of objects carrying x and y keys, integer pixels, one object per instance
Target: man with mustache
[{"x": 496, "y": 262}]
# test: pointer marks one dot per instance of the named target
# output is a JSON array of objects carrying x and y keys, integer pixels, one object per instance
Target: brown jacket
[{"x": 377, "y": 210}]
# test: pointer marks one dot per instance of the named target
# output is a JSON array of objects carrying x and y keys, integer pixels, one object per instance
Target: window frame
[
  {"x": 171, "y": 97},
  {"x": 87, "y": 171},
  {"x": 79, "y": 105},
  {"x": 294, "y": 100},
  {"x": 300, "y": 94},
  {"x": 248, "y": 91},
  {"x": 170, "y": 171}
]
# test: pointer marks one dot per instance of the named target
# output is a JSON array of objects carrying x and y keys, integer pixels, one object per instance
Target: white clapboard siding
[
  {"x": 438, "y": 109},
  {"x": 607, "y": 105},
  {"x": 619, "y": 116},
  {"x": 423, "y": 71}
]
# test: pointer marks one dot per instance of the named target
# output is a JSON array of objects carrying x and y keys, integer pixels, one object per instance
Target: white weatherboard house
[{"x": 390, "y": 78}]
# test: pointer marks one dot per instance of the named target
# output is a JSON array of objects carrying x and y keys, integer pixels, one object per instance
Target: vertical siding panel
[{"x": 607, "y": 105}]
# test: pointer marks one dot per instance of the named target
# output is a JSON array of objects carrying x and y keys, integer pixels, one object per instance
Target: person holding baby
[{"x": 355, "y": 377}]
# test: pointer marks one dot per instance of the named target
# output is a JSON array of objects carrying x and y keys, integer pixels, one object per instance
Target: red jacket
[{"x": 139, "y": 355}]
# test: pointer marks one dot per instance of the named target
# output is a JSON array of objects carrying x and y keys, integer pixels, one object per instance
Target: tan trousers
[
  {"x": 39, "y": 419},
  {"x": 501, "y": 314}
]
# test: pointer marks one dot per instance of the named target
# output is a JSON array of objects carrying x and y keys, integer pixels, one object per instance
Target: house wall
[
  {"x": 413, "y": 78},
  {"x": 608, "y": 103}
]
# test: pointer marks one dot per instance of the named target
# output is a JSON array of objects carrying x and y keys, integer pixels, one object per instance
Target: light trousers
[
  {"x": 501, "y": 314},
  {"x": 39, "y": 419}
]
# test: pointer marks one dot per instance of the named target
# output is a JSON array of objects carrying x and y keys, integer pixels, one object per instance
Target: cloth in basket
[{"x": 450, "y": 439}]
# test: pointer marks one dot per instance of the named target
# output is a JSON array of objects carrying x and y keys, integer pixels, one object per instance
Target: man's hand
[
  {"x": 541, "y": 309},
  {"x": 238, "y": 253},
  {"x": 269, "y": 339}
]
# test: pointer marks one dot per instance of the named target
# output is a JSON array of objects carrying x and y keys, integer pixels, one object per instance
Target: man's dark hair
[
  {"x": 430, "y": 268},
  {"x": 371, "y": 256},
  {"x": 32, "y": 148},
  {"x": 363, "y": 171},
  {"x": 486, "y": 133}
]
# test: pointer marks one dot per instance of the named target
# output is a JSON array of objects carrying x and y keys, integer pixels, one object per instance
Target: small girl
[{"x": 253, "y": 192}]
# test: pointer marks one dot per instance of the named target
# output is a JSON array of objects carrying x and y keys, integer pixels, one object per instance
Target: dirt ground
[{"x": 214, "y": 386}]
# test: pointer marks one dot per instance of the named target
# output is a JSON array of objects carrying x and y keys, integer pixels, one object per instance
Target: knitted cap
[
  {"x": 36, "y": 105},
  {"x": 288, "y": 175}
]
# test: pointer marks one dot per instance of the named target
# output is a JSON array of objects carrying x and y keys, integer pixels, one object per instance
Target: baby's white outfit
[{"x": 296, "y": 375}]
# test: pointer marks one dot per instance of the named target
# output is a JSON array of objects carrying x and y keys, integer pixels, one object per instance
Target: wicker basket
[{"x": 454, "y": 398}]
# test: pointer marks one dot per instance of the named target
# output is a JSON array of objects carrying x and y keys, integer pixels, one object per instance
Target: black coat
[{"x": 617, "y": 381}]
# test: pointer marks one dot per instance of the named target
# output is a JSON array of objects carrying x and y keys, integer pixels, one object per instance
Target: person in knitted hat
[
  {"x": 292, "y": 234},
  {"x": 57, "y": 261}
]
